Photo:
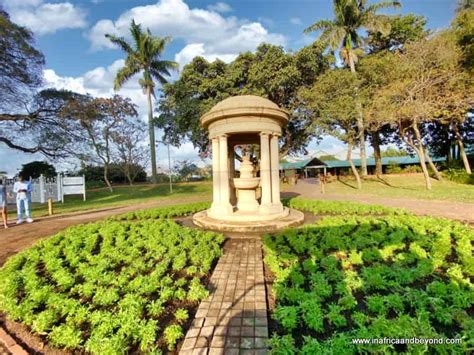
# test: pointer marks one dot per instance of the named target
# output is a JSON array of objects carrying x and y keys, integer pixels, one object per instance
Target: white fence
[{"x": 55, "y": 188}]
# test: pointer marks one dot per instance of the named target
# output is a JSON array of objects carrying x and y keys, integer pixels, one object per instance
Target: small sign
[
  {"x": 72, "y": 185},
  {"x": 73, "y": 180},
  {"x": 73, "y": 189}
]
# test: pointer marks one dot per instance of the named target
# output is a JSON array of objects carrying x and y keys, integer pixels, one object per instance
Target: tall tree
[
  {"x": 403, "y": 30},
  {"x": 270, "y": 72},
  {"x": 128, "y": 149},
  {"x": 428, "y": 87},
  {"x": 342, "y": 33},
  {"x": 35, "y": 169},
  {"x": 333, "y": 102},
  {"x": 41, "y": 128},
  {"x": 21, "y": 64},
  {"x": 377, "y": 70},
  {"x": 28, "y": 120},
  {"x": 97, "y": 120},
  {"x": 144, "y": 55},
  {"x": 463, "y": 27}
]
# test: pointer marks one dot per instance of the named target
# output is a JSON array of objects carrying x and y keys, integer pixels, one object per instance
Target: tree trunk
[
  {"x": 151, "y": 130},
  {"x": 360, "y": 124},
  {"x": 106, "y": 177},
  {"x": 462, "y": 151},
  {"x": 128, "y": 174},
  {"x": 433, "y": 167},
  {"x": 377, "y": 153},
  {"x": 353, "y": 168},
  {"x": 421, "y": 156}
]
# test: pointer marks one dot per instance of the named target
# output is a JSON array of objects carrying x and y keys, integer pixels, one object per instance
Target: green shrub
[
  {"x": 371, "y": 277},
  {"x": 459, "y": 175},
  {"x": 108, "y": 287}
]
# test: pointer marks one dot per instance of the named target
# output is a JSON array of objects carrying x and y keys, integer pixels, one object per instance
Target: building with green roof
[{"x": 312, "y": 166}]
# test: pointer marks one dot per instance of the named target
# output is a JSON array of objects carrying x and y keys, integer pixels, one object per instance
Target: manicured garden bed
[
  {"x": 350, "y": 277},
  {"x": 112, "y": 287}
]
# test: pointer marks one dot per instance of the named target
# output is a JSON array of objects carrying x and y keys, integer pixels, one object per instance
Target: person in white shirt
[{"x": 23, "y": 190}]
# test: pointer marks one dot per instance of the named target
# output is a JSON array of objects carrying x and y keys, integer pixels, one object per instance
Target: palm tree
[
  {"x": 144, "y": 55},
  {"x": 342, "y": 33}
]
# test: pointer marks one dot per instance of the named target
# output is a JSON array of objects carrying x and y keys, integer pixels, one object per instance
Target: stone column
[
  {"x": 226, "y": 207},
  {"x": 216, "y": 198},
  {"x": 265, "y": 173},
  {"x": 275, "y": 164},
  {"x": 233, "y": 197}
]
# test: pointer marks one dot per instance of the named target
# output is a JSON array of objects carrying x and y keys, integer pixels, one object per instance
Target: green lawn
[
  {"x": 405, "y": 186},
  {"x": 126, "y": 195}
]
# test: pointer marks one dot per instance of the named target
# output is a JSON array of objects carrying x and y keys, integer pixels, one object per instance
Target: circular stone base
[
  {"x": 243, "y": 217},
  {"x": 292, "y": 219}
]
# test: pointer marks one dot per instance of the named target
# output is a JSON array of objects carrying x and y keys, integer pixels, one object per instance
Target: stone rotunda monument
[{"x": 247, "y": 200}]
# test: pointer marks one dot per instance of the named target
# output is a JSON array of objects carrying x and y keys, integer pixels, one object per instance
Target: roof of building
[
  {"x": 403, "y": 160},
  {"x": 244, "y": 101}
]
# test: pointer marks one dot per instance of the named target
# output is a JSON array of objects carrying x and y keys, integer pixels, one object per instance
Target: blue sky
[{"x": 78, "y": 57}]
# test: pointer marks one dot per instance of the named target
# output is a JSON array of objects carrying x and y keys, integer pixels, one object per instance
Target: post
[
  {"x": 216, "y": 197},
  {"x": 265, "y": 172},
  {"x": 275, "y": 173},
  {"x": 41, "y": 189},
  {"x": 321, "y": 183},
  {"x": 169, "y": 169},
  {"x": 84, "y": 187},
  {"x": 50, "y": 206},
  {"x": 231, "y": 161},
  {"x": 59, "y": 179}
]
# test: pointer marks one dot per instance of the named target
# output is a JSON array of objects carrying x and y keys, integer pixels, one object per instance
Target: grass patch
[
  {"x": 112, "y": 287},
  {"x": 350, "y": 277},
  {"x": 410, "y": 186},
  {"x": 163, "y": 212},
  {"x": 126, "y": 195},
  {"x": 321, "y": 207}
]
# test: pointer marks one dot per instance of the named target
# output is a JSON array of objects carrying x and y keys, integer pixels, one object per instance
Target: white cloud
[
  {"x": 221, "y": 7},
  {"x": 98, "y": 82},
  {"x": 44, "y": 18},
  {"x": 296, "y": 21},
  {"x": 197, "y": 49},
  {"x": 205, "y": 32}
]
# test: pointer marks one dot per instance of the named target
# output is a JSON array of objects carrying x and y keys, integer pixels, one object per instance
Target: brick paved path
[{"x": 233, "y": 320}]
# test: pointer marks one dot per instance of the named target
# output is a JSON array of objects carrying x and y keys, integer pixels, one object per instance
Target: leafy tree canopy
[
  {"x": 42, "y": 129},
  {"x": 21, "y": 64},
  {"x": 269, "y": 72},
  {"x": 394, "y": 152},
  {"x": 328, "y": 157},
  {"x": 403, "y": 29},
  {"x": 463, "y": 26},
  {"x": 37, "y": 168}
]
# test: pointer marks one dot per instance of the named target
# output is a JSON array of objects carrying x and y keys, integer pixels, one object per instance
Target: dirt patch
[
  {"x": 32, "y": 343},
  {"x": 3, "y": 350}
]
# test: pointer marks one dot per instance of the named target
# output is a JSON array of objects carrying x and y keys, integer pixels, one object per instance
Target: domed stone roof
[
  {"x": 253, "y": 110},
  {"x": 244, "y": 101}
]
